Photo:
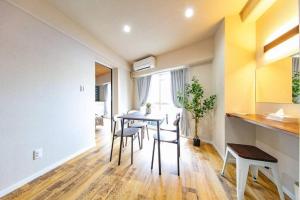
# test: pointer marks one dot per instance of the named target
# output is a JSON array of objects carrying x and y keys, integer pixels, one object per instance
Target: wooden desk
[{"x": 291, "y": 128}]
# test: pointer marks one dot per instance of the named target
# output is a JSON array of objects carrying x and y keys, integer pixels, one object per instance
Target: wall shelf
[{"x": 291, "y": 128}]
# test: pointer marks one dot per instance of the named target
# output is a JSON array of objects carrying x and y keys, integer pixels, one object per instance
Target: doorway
[{"x": 103, "y": 98}]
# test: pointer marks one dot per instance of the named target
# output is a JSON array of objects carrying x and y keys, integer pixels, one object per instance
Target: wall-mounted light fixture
[
  {"x": 291, "y": 33},
  {"x": 282, "y": 46}
]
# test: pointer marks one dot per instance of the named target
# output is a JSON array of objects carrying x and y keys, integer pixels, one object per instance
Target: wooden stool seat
[{"x": 251, "y": 152}]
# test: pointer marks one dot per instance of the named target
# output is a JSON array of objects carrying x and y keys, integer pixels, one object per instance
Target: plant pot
[
  {"x": 196, "y": 141},
  {"x": 296, "y": 100},
  {"x": 148, "y": 110}
]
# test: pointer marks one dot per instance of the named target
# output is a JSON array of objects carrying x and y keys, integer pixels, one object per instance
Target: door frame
[{"x": 111, "y": 90}]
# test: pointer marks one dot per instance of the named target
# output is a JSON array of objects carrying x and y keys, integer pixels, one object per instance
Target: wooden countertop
[{"x": 291, "y": 128}]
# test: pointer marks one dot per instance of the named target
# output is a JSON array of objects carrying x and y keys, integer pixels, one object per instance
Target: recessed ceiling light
[
  {"x": 126, "y": 28},
  {"x": 189, "y": 12}
]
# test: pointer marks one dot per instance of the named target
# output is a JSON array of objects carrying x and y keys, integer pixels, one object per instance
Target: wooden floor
[{"x": 92, "y": 176}]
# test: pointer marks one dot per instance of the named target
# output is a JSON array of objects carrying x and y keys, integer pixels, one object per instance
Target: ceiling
[
  {"x": 158, "y": 26},
  {"x": 101, "y": 69}
]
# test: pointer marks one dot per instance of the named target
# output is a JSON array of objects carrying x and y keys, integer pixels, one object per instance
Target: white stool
[{"x": 246, "y": 156}]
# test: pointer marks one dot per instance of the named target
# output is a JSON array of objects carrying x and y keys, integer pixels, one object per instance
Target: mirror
[{"x": 279, "y": 82}]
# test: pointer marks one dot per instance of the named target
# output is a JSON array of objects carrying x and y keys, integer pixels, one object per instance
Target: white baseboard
[{"x": 42, "y": 172}]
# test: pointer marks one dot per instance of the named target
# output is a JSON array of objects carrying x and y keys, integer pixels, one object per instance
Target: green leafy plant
[
  {"x": 148, "y": 108},
  {"x": 148, "y": 105},
  {"x": 296, "y": 86},
  {"x": 193, "y": 101}
]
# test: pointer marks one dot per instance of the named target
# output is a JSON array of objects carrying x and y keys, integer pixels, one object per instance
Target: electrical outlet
[{"x": 37, "y": 154}]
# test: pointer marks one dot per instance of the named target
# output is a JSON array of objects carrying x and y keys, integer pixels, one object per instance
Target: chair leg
[
  {"x": 242, "y": 168},
  {"x": 126, "y": 142},
  {"x": 131, "y": 149},
  {"x": 138, "y": 135},
  {"x": 153, "y": 151},
  {"x": 147, "y": 132},
  {"x": 276, "y": 177},
  {"x": 178, "y": 147},
  {"x": 225, "y": 162},
  {"x": 142, "y": 138},
  {"x": 254, "y": 172},
  {"x": 143, "y": 132},
  {"x": 112, "y": 147},
  {"x": 178, "y": 155}
]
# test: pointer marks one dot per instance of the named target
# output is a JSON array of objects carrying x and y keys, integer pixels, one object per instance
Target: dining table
[{"x": 139, "y": 116}]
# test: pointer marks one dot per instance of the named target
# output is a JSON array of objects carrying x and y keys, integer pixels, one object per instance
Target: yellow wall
[
  {"x": 281, "y": 17},
  {"x": 274, "y": 82},
  {"x": 239, "y": 65}
]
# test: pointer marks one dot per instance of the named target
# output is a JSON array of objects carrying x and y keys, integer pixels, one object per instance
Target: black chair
[
  {"x": 127, "y": 133},
  {"x": 169, "y": 136},
  {"x": 140, "y": 125}
]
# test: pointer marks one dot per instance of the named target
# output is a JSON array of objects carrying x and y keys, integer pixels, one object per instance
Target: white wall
[
  {"x": 218, "y": 88},
  {"x": 125, "y": 91},
  {"x": 50, "y": 15},
  {"x": 41, "y": 106}
]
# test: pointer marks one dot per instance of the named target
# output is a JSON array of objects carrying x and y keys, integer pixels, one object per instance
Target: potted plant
[
  {"x": 193, "y": 101},
  {"x": 148, "y": 108}
]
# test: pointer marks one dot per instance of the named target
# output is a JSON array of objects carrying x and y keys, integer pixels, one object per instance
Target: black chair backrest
[
  {"x": 115, "y": 120},
  {"x": 176, "y": 123}
]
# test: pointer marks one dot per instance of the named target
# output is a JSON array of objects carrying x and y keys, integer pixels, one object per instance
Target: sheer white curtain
[
  {"x": 160, "y": 97},
  {"x": 143, "y": 85},
  {"x": 178, "y": 81}
]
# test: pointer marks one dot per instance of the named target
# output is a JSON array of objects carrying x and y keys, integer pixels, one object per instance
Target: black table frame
[{"x": 139, "y": 116}]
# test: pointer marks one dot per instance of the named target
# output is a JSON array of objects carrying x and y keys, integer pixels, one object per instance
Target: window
[
  {"x": 97, "y": 93},
  {"x": 160, "y": 95}
]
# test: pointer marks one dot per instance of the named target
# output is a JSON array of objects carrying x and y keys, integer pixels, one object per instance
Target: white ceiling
[{"x": 157, "y": 26}]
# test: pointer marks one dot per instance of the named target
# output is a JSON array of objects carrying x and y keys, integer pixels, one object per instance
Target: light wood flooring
[{"x": 92, "y": 176}]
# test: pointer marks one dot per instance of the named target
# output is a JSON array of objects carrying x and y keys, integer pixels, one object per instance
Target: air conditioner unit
[{"x": 143, "y": 64}]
